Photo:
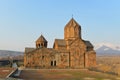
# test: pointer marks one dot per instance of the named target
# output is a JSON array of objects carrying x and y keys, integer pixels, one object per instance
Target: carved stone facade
[{"x": 70, "y": 52}]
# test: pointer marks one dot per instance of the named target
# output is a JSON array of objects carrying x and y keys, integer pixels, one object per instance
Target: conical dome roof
[
  {"x": 72, "y": 30},
  {"x": 41, "y": 39},
  {"x": 72, "y": 23}
]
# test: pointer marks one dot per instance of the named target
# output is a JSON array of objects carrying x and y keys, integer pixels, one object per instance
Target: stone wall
[
  {"x": 91, "y": 58},
  {"x": 47, "y": 59},
  {"x": 77, "y": 54}
]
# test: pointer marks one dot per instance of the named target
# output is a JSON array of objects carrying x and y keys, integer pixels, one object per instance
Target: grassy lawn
[{"x": 61, "y": 74}]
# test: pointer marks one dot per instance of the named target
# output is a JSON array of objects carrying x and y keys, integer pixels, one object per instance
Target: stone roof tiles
[
  {"x": 88, "y": 44},
  {"x": 72, "y": 23},
  {"x": 41, "y": 39},
  {"x": 60, "y": 42},
  {"x": 29, "y": 49}
]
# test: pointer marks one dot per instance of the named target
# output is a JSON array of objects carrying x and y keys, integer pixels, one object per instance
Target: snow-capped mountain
[
  {"x": 115, "y": 47},
  {"x": 107, "y": 49}
]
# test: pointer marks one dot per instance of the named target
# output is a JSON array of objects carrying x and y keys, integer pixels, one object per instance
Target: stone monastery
[{"x": 71, "y": 52}]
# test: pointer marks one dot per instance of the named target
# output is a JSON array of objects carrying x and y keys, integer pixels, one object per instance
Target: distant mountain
[
  {"x": 107, "y": 49},
  {"x": 7, "y": 53}
]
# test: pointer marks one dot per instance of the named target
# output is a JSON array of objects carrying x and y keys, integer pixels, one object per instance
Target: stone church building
[{"x": 70, "y": 52}]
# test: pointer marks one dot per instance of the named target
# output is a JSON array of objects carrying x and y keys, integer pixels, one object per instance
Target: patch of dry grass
[
  {"x": 110, "y": 64},
  {"x": 5, "y": 71},
  {"x": 60, "y": 74}
]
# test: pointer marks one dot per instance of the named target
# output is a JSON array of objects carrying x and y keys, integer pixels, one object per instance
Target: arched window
[
  {"x": 51, "y": 63},
  {"x": 38, "y": 45},
  {"x": 54, "y": 63},
  {"x": 42, "y": 57}
]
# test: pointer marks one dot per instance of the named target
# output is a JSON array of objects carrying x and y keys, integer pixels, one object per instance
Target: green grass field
[{"x": 61, "y": 74}]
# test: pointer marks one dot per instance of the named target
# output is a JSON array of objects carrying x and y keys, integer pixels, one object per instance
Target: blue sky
[{"x": 23, "y": 21}]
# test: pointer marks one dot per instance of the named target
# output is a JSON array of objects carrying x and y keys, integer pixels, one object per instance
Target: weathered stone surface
[{"x": 70, "y": 52}]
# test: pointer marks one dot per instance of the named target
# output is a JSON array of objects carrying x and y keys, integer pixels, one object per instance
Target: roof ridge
[
  {"x": 72, "y": 22},
  {"x": 41, "y": 38}
]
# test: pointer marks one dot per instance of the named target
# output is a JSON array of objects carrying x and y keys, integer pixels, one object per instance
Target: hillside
[{"x": 7, "y": 53}]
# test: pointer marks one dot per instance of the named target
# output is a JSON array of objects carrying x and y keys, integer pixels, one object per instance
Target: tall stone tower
[
  {"x": 72, "y": 30},
  {"x": 41, "y": 42}
]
